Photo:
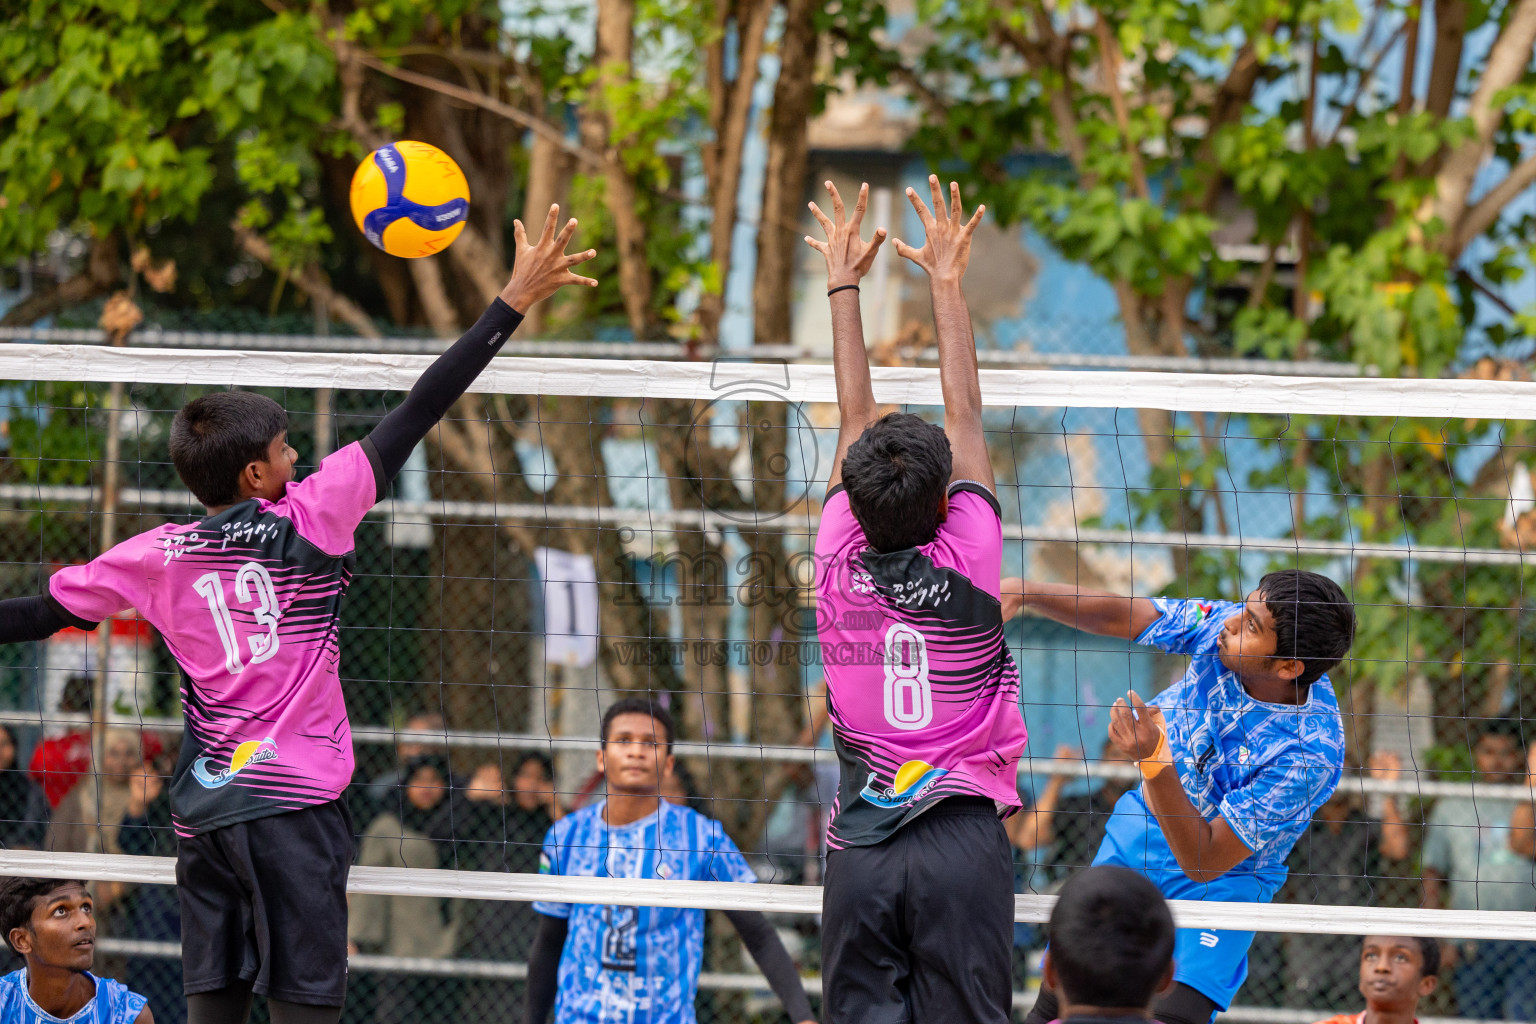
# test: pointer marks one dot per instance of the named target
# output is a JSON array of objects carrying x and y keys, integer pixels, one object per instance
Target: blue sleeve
[
  {"x": 1274, "y": 807},
  {"x": 123, "y": 1005},
  {"x": 1187, "y": 627},
  {"x": 552, "y": 862},
  {"x": 724, "y": 862}
]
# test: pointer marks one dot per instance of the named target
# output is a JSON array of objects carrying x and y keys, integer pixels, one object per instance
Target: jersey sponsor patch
[{"x": 252, "y": 752}]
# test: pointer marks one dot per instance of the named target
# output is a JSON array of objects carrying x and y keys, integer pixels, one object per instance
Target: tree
[{"x": 1172, "y": 118}]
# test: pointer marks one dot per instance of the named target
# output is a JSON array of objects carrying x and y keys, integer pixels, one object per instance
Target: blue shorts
[{"x": 1214, "y": 963}]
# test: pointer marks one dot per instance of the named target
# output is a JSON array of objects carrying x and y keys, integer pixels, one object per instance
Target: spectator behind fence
[
  {"x": 23, "y": 807},
  {"x": 52, "y": 925},
  {"x": 1467, "y": 846},
  {"x": 493, "y": 833},
  {"x": 81, "y": 824},
  {"x": 382, "y": 790},
  {"x": 1395, "y": 973},
  {"x": 152, "y": 912},
  {"x": 593, "y": 964},
  {"x": 1338, "y": 862},
  {"x": 1111, "y": 946},
  {"x": 1064, "y": 832},
  {"x": 62, "y": 760},
  {"x": 414, "y": 926}
]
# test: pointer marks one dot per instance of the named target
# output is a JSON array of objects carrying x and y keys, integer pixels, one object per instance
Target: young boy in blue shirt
[{"x": 52, "y": 924}]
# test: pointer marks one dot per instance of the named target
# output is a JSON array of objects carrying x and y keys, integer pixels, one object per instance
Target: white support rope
[
  {"x": 635, "y": 378},
  {"x": 790, "y": 899},
  {"x": 669, "y": 520}
]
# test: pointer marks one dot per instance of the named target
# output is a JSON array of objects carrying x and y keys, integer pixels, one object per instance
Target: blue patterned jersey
[
  {"x": 635, "y": 965},
  {"x": 1264, "y": 768},
  {"x": 113, "y": 1004}
]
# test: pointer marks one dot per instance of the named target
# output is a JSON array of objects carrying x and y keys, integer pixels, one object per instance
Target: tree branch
[
  {"x": 102, "y": 273},
  {"x": 1506, "y": 62},
  {"x": 1485, "y": 212},
  {"x": 312, "y": 282}
]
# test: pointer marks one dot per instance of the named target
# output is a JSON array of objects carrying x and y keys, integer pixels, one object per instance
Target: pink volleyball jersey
[
  {"x": 248, "y": 602},
  {"x": 923, "y": 694}
]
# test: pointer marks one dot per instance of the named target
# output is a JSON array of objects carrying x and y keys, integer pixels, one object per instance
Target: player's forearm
[
  {"x": 1396, "y": 844},
  {"x": 1433, "y": 896},
  {"x": 1093, "y": 611},
  {"x": 1192, "y": 839},
  {"x": 773, "y": 960},
  {"x": 35, "y": 618},
  {"x": 1522, "y": 830},
  {"x": 958, "y": 375},
  {"x": 850, "y": 362},
  {"x": 442, "y": 384},
  {"x": 544, "y": 968}
]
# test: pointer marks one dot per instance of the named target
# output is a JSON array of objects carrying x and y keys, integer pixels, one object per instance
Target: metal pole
[{"x": 325, "y": 398}]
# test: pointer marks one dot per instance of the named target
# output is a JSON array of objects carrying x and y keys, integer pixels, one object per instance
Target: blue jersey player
[
  {"x": 1235, "y": 757},
  {"x": 640, "y": 965}
]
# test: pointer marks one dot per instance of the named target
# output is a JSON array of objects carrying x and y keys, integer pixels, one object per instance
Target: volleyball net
[{"x": 582, "y": 529}]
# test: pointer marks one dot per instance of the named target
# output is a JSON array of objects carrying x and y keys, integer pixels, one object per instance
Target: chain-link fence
[{"x": 544, "y": 554}]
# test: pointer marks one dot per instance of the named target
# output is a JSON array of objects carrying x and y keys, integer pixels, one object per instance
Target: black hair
[
  {"x": 1111, "y": 938},
  {"x": 896, "y": 475},
  {"x": 19, "y": 897},
  {"x": 640, "y": 706},
  {"x": 542, "y": 760},
  {"x": 1314, "y": 620},
  {"x": 1429, "y": 950},
  {"x": 1508, "y": 728},
  {"x": 215, "y": 436}
]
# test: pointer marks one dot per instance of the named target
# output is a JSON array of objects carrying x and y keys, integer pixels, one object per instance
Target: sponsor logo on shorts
[
  {"x": 211, "y": 776},
  {"x": 1209, "y": 939},
  {"x": 545, "y": 867},
  {"x": 912, "y": 782}
]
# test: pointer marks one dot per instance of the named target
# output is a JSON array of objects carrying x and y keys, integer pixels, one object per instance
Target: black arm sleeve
[
  {"x": 440, "y": 386},
  {"x": 35, "y": 618},
  {"x": 773, "y": 960},
  {"x": 544, "y": 968}
]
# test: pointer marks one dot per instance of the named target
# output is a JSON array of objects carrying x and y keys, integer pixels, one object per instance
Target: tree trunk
[
  {"x": 613, "y": 56},
  {"x": 549, "y": 173},
  {"x": 730, "y": 119}
]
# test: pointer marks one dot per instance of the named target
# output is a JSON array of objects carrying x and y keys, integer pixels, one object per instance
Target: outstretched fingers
[
  {"x": 975, "y": 221},
  {"x": 580, "y": 257},
  {"x": 519, "y": 234},
  {"x": 939, "y": 206},
  {"x": 566, "y": 234},
  {"x": 921, "y": 208},
  {"x": 837, "y": 204},
  {"x": 822, "y": 219},
  {"x": 860, "y": 206},
  {"x": 550, "y": 221}
]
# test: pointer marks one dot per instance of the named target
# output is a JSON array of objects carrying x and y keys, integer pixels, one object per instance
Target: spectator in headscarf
[
  {"x": 412, "y": 926},
  {"x": 497, "y": 830},
  {"x": 23, "y": 807}
]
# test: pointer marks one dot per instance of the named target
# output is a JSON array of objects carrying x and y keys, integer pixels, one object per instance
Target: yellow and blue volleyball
[{"x": 410, "y": 199}]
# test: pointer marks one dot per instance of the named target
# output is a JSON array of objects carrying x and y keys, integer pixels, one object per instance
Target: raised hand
[
  {"x": 1385, "y": 766},
  {"x": 542, "y": 268},
  {"x": 848, "y": 256},
  {"x": 947, "y": 251}
]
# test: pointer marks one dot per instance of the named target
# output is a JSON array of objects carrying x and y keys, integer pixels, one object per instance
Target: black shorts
[
  {"x": 265, "y": 902},
  {"x": 919, "y": 928}
]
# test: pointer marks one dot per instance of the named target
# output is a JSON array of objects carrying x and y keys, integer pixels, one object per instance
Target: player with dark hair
[
  {"x": 52, "y": 925},
  {"x": 248, "y": 600},
  {"x": 922, "y": 693},
  {"x": 1396, "y": 971},
  {"x": 1235, "y": 758},
  {"x": 1111, "y": 946},
  {"x": 597, "y": 964}
]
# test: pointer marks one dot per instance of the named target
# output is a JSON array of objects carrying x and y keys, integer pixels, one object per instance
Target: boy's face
[
  {"x": 1498, "y": 757},
  {"x": 61, "y": 933},
  {"x": 634, "y": 755},
  {"x": 269, "y": 477},
  {"x": 1392, "y": 972},
  {"x": 1247, "y": 641}
]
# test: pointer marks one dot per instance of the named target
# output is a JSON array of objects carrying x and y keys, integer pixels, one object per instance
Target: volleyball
[{"x": 410, "y": 199}]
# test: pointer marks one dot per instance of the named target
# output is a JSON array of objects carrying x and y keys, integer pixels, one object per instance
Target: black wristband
[{"x": 841, "y": 288}]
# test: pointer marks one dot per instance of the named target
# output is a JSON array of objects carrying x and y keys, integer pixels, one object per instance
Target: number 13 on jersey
[{"x": 253, "y": 585}]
